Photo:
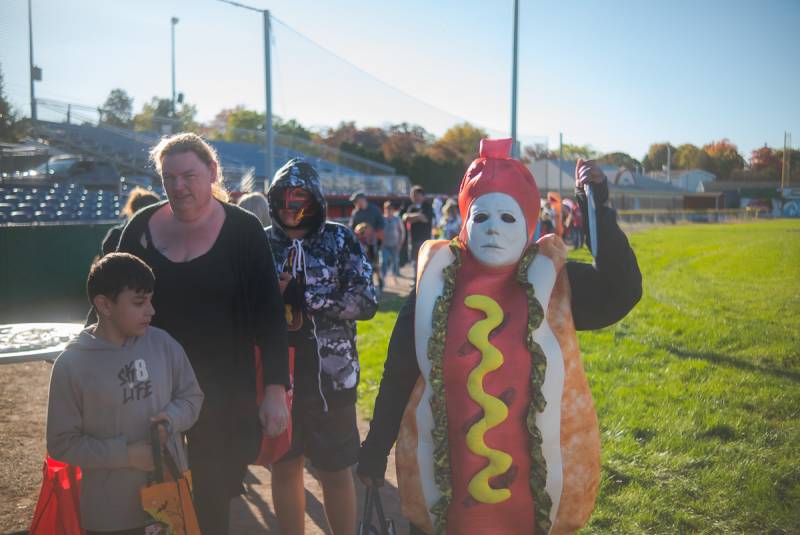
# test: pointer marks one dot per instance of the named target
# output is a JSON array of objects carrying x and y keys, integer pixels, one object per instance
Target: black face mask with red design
[{"x": 298, "y": 209}]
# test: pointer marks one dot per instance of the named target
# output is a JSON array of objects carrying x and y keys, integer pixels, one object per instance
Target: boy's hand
[
  {"x": 163, "y": 434},
  {"x": 140, "y": 456},
  {"x": 273, "y": 413}
]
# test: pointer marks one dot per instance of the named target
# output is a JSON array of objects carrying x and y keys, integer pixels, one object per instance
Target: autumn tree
[
  {"x": 574, "y": 152},
  {"x": 117, "y": 109},
  {"x": 656, "y": 157},
  {"x": 156, "y": 108},
  {"x": 157, "y": 113},
  {"x": 458, "y": 143},
  {"x": 538, "y": 151},
  {"x": 689, "y": 156},
  {"x": 765, "y": 159},
  {"x": 404, "y": 141},
  {"x": 726, "y": 158},
  {"x": 620, "y": 159},
  {"x": 290, "y": 128}
]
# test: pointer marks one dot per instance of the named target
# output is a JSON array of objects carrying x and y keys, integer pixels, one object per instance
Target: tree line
[{"x": 436, "y": 163}]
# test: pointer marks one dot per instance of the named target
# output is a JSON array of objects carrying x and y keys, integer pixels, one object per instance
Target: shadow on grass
[{"x": 725, "y": 360}]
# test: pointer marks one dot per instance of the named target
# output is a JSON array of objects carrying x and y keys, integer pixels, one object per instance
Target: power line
[
  {"x": 368, "y": 74},
  {"x": 243, "y": 6}
]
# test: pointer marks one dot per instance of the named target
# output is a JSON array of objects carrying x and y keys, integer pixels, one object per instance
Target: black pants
[
  {"x": 212, "y": 497},
  {"x": 219, "y": 451}
]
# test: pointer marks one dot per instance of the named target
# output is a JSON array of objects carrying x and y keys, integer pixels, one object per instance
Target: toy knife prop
[{"x": 592, "y": 220}]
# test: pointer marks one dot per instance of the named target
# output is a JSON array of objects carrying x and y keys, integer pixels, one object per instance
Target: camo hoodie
[{"x": 338, "y": 281}]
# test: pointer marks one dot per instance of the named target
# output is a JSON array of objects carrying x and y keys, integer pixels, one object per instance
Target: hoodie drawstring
[
  {"x": 299, "y": 264},
  {"x": 299, "y": 258}
]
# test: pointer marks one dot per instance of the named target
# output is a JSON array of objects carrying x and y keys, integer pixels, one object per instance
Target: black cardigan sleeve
[
  {"x": 268, "y": 310},
  {"x": 604, "y": 292},
  {"x": 400, "y": 373}
]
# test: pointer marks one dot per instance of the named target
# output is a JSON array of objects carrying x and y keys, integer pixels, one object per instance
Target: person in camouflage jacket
[{"x": 327, "y": 286}]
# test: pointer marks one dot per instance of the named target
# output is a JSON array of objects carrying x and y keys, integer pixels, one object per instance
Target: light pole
[
  {"x": 515, "y": 146},
  {"x": 172, "y": 28},
  {"x": 268, "y": 134},
  {"x": 35, "y": 72},
  {"x": 270, "y": 148},
  {"x": 560, "y": 159}
]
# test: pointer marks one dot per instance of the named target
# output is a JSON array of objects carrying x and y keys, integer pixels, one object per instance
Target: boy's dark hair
[
  {"x": 417, "y": 189},
  {"x": 116, "y": 272}
]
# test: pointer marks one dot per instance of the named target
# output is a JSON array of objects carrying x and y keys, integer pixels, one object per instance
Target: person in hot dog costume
[{"x": 483, "y": 387}]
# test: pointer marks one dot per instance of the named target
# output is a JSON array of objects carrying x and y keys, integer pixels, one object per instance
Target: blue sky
[{"x": 618, "y": 75}]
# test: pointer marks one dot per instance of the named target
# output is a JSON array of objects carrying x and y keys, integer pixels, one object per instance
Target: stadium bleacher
[
  {"x": 50, "y": 202},
  {"x": 59, "y": 203},
  {"x": 129, "y": 149}
]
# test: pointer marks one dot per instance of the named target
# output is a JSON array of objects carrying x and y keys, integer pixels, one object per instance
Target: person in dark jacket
[
  {"x": 138, "y": 199},
  {"x": 601, "y": 294},
  {"x": 326, "y": 282},
  {"x": 419, "y": 218}
]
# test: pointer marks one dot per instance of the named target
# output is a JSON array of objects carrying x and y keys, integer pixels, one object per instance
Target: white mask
[{"x": 496, "y": 230}]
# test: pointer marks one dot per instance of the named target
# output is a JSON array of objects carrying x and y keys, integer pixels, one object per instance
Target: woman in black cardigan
[{"x": 217, "y": 293}]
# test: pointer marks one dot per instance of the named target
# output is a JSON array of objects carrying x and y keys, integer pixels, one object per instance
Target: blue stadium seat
[{"x": 21, "y": 217}]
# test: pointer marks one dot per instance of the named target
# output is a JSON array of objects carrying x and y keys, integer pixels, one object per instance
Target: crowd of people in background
[{"x": 394, "y": 237}]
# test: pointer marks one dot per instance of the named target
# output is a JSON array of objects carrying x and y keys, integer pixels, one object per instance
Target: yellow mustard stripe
[{"x": 494, "y": 410}]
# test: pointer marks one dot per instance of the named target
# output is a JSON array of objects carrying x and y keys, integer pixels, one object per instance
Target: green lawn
[{"x": 697, "y": 390}]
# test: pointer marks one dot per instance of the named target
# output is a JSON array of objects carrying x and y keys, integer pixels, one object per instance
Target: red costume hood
[{"x": 495, "y": 171}]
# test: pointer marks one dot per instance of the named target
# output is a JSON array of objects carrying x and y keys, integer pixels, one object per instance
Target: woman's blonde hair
[{"x": 189, "y": 142}]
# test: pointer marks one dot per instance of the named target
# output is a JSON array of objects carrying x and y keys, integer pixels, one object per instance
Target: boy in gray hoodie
[{"x": 108, "y": 387}]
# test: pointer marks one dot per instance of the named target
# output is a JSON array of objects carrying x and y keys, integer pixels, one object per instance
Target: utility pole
[
  {"x": 270, "y": 147},
  {"x": 560, "y": 159},
  {"x": 515, "y": 149},
  {"x": 787, "y": 160},
  {"x": 174, "y": 22},
  {"x": 669, "y": 160},
  {"x": 35, "y": 73},
  {"x": 546, "y": 166}
]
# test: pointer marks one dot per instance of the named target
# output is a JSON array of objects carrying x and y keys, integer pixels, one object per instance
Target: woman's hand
[{"x": 273, "y": 413}]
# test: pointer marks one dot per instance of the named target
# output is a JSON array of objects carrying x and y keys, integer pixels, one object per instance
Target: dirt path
[{"x": 23, "y": 407}]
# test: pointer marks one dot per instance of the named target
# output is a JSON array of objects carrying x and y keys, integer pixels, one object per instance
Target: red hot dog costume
[{"x": 483, "y": 385}]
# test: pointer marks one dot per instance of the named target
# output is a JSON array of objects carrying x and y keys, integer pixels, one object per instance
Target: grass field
[{"x": 697, "y": 390}]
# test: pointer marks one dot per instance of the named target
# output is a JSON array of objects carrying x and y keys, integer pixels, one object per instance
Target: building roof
[{"x": 641, "y": 183}]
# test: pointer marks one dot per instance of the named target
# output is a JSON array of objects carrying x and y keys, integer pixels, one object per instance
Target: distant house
[{"x": 627, "y": 190}]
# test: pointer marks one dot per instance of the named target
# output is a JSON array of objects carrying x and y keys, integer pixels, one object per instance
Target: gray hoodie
[{"x": 101, "y": 399}]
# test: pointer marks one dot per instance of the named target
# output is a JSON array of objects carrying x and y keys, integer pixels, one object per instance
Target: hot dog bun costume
[{"x": 500, "y": 433}]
